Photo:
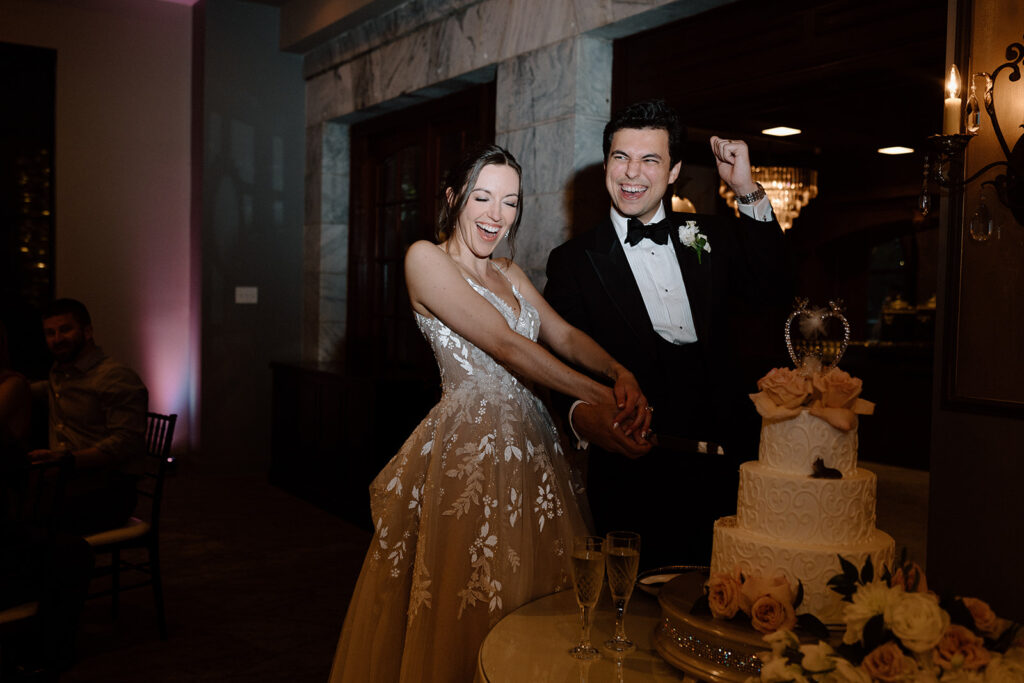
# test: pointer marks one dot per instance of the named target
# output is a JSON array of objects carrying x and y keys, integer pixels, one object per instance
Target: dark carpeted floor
[
  {"x": 257, "y": 582},
  {"x": 256, "y": 586}
]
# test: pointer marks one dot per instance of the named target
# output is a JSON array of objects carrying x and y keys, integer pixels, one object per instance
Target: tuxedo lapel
[
  {"x": 609, "y": 261},
  {"x": 698, "y": 282}
]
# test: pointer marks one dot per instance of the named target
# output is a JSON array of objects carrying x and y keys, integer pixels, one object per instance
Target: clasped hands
[{"x": 622, "y": 424}]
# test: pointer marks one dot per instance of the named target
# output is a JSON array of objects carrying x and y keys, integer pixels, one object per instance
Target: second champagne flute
[{"x": 622, "y": 556}]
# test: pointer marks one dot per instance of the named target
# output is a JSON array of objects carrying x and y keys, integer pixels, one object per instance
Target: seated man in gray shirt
[{"x": 97, "y": 412}]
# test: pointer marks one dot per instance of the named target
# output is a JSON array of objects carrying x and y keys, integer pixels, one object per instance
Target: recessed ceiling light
[
  {"x": 781, "y": 131},
  {"x": 895, "y": 150}
]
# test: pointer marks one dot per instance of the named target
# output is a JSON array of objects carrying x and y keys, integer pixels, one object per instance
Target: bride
[{"x": 475, "y": 514}]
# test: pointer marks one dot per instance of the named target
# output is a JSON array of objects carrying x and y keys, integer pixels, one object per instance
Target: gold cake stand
[{"x": 708, "y": 649}]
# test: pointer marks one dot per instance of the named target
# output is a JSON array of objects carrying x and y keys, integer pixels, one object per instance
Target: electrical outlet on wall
[{"x": 247, "y": 295}]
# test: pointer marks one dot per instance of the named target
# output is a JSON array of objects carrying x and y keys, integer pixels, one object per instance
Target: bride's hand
[{"x": 634, "y": 414}]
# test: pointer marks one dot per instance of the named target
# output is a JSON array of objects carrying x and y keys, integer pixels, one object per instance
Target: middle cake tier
[{"x": 800, "y": 508}]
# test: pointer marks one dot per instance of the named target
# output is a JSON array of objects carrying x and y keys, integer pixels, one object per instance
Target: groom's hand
[
  {"x": 596, "y": 424},
  {"x": 733, "y": 160}
]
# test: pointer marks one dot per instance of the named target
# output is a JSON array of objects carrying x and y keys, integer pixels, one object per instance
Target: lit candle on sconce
[{"x": 951, "y": 110}]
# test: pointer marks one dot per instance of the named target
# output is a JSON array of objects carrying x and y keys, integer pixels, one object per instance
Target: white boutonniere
[{"x": 690, "y": 237}]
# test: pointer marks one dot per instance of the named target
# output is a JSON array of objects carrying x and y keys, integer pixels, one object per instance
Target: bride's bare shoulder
[{"x": 424, "y": 253}]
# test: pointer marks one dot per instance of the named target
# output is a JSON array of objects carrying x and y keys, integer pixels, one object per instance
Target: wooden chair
[{"x": 140, "y": 532}]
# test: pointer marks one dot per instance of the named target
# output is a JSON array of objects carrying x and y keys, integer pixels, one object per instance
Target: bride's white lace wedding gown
[{"x": 474, "y": 517}]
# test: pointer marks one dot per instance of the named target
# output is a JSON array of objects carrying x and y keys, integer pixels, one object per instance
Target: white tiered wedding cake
[{"x": 805, "y": 502}]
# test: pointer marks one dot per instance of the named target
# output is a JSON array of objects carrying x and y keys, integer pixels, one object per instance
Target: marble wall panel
[
  {"x": 332, "y": 296},
  {"x": 406, "y": 18},
  {"x": 593, "y": 78},
  {"x": 331, "y": 344},
  {"x": 467, "y": 40},
  {"x": 330, "y": 94},
  {"x": 537, "y": 86},
  {"x": 544, "y": 227},
  {"x": 334, "y": 247},
  {"x": 545, "y": 152},
  {"x": 335, "y": 148},
  {"x": 534, "y": 23}
]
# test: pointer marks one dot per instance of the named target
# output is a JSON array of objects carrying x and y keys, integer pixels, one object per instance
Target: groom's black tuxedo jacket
[{"x": 591, "y": 285}]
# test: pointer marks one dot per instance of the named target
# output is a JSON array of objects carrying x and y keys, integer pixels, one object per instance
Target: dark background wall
[{"x": 253, "y": 144}]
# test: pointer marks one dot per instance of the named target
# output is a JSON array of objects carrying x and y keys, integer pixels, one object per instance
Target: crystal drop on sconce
[
  {"x": 980, "y": 226},
  {"x": 972, "y": 113},
  {"x": 924, "y": 202}
]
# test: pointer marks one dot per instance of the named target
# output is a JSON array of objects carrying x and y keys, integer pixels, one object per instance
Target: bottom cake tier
[{"x": 812, "y": 565}]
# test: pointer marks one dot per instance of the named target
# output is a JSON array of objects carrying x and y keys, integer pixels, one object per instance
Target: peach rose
[
  {"x": 888, "y": 663},
  {"x": 958, "y": 648},
  {"x": 910, "y": 577},
  {"x": 786, "y": 388},
  {"x": 985, "y": 620},
  {"x": 768, "y": 614},
  {"x": 724, "y": 595},
  {"x": 836, "y": 389},
  {"x": 842, "y": 419},
  {"x": 757, "y": 586}
]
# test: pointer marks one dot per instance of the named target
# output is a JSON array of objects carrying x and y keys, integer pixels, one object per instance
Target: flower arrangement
[
  {"x": 690, "y": 237},
  {"x": 898, "y": 630},
  {"x": 831, "y": 394}
]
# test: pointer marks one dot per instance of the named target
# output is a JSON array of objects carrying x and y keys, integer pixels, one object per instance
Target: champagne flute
[
  {"x": 622, "y": 555},
  {"x": 587, "y": 577}
]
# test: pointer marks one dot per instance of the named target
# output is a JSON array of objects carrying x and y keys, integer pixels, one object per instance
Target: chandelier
[{"x": 788, "y": 189}]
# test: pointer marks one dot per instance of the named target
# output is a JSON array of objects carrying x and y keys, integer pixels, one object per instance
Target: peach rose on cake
[
  {"x": 783, "y": 393},
  {"x": 837, "y": 399},
  {"x": 769, "y": 602},
  {"x": 724, "y": 594},
  {"x": 836, "y": 389},
  {"x": 958, "y": 648},
  {"x": 889, "y": 664}
]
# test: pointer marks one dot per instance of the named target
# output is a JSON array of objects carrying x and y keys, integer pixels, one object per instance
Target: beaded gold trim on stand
[{"x": 717, "y": 652}]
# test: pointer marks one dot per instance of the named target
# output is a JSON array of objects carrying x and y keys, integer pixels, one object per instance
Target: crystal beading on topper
[{"x": 811, "y": 323}]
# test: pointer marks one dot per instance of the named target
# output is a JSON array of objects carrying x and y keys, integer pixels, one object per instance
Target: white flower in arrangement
[
  {"x": 871, "y": 599},
  {"x": 918, "y": 621},
  {"x": 690, "y": 237}
]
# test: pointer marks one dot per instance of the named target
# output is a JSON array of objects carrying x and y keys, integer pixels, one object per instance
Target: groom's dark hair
[{"x": 649, "y": 114}]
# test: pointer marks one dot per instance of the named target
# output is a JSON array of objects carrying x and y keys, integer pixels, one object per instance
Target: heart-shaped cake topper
[{"x": 815, "y": 349}]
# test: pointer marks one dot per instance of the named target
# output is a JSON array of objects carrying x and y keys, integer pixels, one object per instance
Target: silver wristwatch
[{"x": 755, "y": 196}]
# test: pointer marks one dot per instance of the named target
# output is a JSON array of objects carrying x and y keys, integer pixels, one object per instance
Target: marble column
[
  {"x": 552, "y": 105},
  {"x": 325, "y": 258}
]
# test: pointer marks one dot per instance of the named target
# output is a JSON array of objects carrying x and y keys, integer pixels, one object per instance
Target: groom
[{"x": 656, "y": 291}]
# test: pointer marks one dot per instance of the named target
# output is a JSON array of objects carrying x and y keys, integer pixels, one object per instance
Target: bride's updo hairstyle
[{"x": 461, "y": 178}]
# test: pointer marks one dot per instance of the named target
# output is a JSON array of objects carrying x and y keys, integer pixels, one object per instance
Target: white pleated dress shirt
[{"x": 656, "y": 271}]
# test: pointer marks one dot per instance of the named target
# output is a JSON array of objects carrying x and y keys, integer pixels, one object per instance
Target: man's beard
[{"x": 68, "y": 351}]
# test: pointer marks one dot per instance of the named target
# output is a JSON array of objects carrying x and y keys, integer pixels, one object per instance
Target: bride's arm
[
  {"x": 438, "y": 289},
  {"x": 579, "y": 348}
]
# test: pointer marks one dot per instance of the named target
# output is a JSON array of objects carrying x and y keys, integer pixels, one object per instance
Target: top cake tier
[{"x": 793, "y": 445}]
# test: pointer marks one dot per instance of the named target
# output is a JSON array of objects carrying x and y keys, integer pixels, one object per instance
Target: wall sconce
[{"x": 948, "y": 148}]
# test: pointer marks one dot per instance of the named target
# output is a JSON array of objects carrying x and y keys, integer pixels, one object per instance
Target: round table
[{"x": 531, "y": 644}]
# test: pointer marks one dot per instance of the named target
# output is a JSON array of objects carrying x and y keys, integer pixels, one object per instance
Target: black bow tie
[{"x": 657, "y": 232}]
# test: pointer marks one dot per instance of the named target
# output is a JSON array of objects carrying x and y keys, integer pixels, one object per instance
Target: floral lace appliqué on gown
[{"x": 474, "y": 516}]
